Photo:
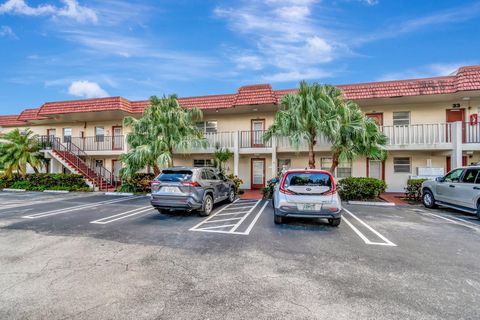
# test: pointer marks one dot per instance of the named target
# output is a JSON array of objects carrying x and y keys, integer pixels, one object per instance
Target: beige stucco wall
[{"x": 422, "y": 113}]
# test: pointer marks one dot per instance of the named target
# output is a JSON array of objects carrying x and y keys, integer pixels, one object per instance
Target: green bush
[
  {"x": 138, "y": 183},
  {"x": 268, "y": 190},
  {"x": 45, "y": 181},
  {"x": 237, "y": 182},
  {"x": 360, "y": 188},
  {"x": 413, "y": 191}
]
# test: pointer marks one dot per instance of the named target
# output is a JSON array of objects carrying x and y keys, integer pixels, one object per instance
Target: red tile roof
[
  {"x": 255, "y": 94},
  {"x": 221, "y": 101},
  {"x": 30, "y": 114},
  {"x": 10, "y": 121},
  {"x": 465, "y": 79},
  {"x": 86, "y": 105}
]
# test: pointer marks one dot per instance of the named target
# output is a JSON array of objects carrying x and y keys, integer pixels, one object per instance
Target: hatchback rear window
[
  {"x": 175, "y": 176},
  {"x": 307, "y": 179}
]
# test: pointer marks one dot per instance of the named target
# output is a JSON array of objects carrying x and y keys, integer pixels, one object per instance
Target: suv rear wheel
[
  {"x": 207, "y": 206},
  {"x": 428, "y": 200},
  {"x": 334, "y": 222},
  {"x": 231, "y": 196}
]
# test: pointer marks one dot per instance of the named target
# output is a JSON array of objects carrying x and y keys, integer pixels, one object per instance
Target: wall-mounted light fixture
[{"x": 456, "y": 105}]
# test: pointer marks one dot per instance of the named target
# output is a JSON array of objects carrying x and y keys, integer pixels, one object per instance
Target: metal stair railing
[{"x": 102, "y": 177}]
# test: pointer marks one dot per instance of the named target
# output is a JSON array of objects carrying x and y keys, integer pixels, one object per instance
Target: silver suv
[
  {"x": 459, "y": 189},
  {"x": 188, "y": 188}
]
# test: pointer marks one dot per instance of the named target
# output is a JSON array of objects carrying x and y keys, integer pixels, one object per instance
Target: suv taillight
[{"x": 191, "y": 183}]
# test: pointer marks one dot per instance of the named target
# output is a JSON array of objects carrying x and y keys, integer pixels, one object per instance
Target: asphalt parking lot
[{"x": 92, "y": 256}]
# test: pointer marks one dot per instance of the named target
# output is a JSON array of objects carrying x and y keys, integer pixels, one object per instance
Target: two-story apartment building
[{"x": 431, "y": 125}]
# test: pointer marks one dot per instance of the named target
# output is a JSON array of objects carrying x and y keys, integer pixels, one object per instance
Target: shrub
[
  {"x": 45, "y": 181},
  {"x": 360, "y": 188},
  {"x": 413, "y": 191},
  {"x": 268, "y": 190},
  {"x": 237, "y": 182},
  {"x": 138, "y": 182}
]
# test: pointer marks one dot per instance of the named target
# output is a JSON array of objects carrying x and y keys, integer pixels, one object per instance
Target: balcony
[
  {"x": 98, "y": 143},
  {"x": 419, "y": 136}
]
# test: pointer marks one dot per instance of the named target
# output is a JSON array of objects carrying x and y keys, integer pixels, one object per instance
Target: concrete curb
[
  {"x": 14, "y": 190},
  {"x": 118, "y": 194},
  {"x": 56, "y": 191},
  {"x": 371, "y": 203}
]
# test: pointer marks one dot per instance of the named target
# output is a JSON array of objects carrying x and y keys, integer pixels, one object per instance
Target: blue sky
[{"x": 72, "y": 49}]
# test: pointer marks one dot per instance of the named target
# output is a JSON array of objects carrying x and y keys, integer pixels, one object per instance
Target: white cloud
[
  {"x": 427, "y": 71},
  {"x": 297, "y": 75},
  {"x": 71, "y": 9},
  {"x": 370, "y": 2},
  {"x": 6, "y": 31},
  {"x": 86, "y": 89},
  {"x": 283, "y": 34}
]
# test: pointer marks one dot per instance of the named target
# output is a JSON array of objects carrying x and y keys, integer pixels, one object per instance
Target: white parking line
[
  {"x": 455, "y": 220},
  {"x": 76, "y": 208},
  {"x": 202, "y": 226},
  {"x": 229, "y": 219},
  {"x": 362, "y": 236},
  {"x": 123, "y": 215},
  {"x": 23, "y": 203}
]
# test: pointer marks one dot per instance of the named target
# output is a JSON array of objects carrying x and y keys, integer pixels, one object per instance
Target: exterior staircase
[{"x": 74, "y": 159}]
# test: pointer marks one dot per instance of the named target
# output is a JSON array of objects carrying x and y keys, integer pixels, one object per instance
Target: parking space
[{"x": 400, "y": 261}]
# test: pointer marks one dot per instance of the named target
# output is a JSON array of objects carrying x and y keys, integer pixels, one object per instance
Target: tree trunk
[
  {"x": 335, "y": 161},
  {"x": 156, "y": 170},
  {"x": 311, "y": 156}
]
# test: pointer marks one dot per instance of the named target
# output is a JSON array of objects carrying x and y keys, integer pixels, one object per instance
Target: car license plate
[
  {"x": 309, "y": 207},
  {"x": 171, "y": 189}
]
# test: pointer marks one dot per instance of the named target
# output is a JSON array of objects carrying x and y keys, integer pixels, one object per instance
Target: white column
[
  {"x": 457, "y": 144},
  {"x": 236, "y": 153},
  {"x": 274, "y": 157}
]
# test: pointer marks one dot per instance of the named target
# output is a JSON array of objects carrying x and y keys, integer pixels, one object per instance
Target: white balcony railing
[{"x": 427, "y": 134}]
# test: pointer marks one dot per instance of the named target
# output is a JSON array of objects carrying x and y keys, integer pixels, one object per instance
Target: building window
[
  {"x": 401, "y": 118},
  {"x": 344, "y": 169},
  {"x": 283, "y": 164},
  {"x": 67, "y": 134},
  {"x": 99, "y": 134},
  {"x": 198, "y": 163},
  {"x": 207, "y": 126},
  {"x": 402, "y": 165}
]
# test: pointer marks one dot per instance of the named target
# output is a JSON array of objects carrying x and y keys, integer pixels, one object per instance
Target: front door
[
  {"x": 447, "y": 189},
  {"x": 117, "y": 166},
  {"x": 454, "y": 115},
  {"x": 117, "y": 140},
  {"x": 375, "y": 169},
  {"x": 449, "y": 163},
  {"x": 258, "y": 173},
  {"x": 377, "y": 117},
  {"x": 258, "y": 128},
  {"x": 51, "y": 132}
]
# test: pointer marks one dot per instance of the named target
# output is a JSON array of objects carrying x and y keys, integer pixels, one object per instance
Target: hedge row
[
  {"x": 45, "y": 181},
  {"x": 138, "y": 183},
  {"x": 413, "y": 191},
  {"x": 360, "y": 188}
]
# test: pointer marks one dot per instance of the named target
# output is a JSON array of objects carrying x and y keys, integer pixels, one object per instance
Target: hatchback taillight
[
  {"x": 191, "y": 183},
  {"x": 285, "y": 191}
]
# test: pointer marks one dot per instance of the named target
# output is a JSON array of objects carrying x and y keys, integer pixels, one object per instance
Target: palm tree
[
  {"x": 220, "y": 157},
  {"x": 319, "y": 111},
  {"x": 19, "y": 149},
  {"x": 164, "y": 127}
]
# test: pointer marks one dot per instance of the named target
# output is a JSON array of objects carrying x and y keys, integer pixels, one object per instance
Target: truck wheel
[
  {"x": 207, "y": 206},
  {"x": 428, "y": 199},
  {"x": 334, "y": 222}
]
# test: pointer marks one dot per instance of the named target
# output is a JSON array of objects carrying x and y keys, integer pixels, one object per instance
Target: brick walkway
[
  {"x": 252, "y": 194},
  {"x": 395, "y": 197}
]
